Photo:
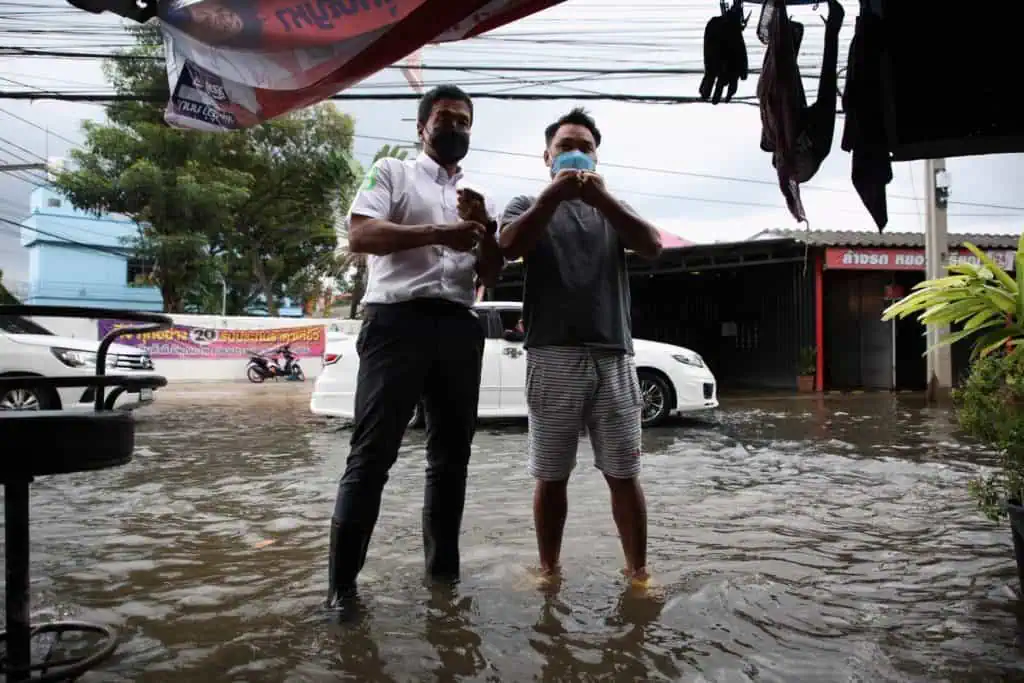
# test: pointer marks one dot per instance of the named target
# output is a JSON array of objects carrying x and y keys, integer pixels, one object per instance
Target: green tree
[
  {"x": 167, "y": 180},
  {"x": 254, "y": 209},
  {"x": 283, "y": 238}
]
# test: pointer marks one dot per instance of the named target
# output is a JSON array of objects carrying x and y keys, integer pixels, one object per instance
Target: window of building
[
  {"x": 53, "y": 203},
  {"x": 139, "y": 270}
]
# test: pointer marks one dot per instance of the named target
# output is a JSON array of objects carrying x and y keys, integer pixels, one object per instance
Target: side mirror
[{"x": 513, "y": 336}]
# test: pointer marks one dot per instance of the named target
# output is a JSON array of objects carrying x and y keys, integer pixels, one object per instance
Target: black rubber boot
[
  {"x": 441, "y": 544},
  {"x": 341, "y": 585}
]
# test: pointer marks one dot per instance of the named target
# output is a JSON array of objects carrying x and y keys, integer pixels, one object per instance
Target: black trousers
[{"x": 427, "y": 349}]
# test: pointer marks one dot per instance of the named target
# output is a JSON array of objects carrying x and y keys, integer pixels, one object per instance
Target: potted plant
[
  {"x": 807, "y": 369},
  {"x": 989, "y": 306},
  {"x": 990, "y": 407}
]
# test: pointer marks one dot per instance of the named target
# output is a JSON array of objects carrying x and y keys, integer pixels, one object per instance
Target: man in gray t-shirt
[{"x": 576, "y": 310}]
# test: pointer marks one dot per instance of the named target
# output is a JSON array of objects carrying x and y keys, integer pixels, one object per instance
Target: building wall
[
  {"x": 68, "y": 264},
  {"x": 862, "y": 351},
  {"x": 748, "y": 322}
]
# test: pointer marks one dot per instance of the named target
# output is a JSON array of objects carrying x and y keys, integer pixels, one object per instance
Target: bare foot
[
  {"x": 638, "y": 578},
  {"x": 543, "y": 579}
]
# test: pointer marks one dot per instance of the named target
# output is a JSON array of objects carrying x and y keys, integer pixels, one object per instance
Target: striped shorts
[{"x": 572, "y": 389}]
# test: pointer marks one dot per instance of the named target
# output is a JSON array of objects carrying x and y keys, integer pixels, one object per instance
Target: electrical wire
[
  {"x": 708, "y": 176},
  {"x": 670, "y": 31}
]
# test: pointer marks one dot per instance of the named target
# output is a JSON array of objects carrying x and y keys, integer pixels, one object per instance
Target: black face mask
[{"x": 450, "y": 145}]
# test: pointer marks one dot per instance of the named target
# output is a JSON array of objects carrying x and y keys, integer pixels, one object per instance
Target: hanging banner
[
  {"x": 194, "y": 343},
  {"x": 235, "y": 63},
  {"x": 857, "y": 258}
]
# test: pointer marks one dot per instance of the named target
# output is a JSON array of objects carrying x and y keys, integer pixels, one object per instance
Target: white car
[
  {"x": 28, "y": 348},
  {"x": 673, "y": 379}
]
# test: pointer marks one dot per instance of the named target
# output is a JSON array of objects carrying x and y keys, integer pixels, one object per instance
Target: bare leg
[
  {"x": 550, "y": 507},
  {"x": 629, "y": 508}
]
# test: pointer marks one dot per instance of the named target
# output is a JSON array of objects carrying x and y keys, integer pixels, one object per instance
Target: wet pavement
[{"x": 802, "y": 540}]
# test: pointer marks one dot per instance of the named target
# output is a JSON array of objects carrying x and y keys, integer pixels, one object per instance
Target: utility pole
[
  {"x": 936, "y": 247},
  {"x": 223, "y": 296}
]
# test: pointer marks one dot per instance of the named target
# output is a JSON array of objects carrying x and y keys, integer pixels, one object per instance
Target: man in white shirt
[{"x": 428, "y": 243}]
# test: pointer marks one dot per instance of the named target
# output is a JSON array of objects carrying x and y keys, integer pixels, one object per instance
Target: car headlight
[
  {"x": 689, "y": 358},
  {"x": 75, "y": 359}
]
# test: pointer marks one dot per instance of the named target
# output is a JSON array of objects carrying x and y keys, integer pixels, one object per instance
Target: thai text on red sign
[{"x": 868, "y": 258}]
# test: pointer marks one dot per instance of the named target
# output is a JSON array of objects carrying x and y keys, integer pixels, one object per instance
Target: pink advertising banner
[{"x": 193, "y": 343}]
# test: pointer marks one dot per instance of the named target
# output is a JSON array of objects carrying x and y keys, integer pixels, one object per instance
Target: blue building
[{"x": 80, "y": 259}]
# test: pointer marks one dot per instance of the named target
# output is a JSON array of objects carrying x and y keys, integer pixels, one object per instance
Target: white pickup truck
[{"x": 28, "y": 348}]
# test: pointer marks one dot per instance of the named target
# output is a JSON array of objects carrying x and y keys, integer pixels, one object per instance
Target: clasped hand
[
  {"x": 573, "y": 183},
  {"x": 466, "y": 234}
]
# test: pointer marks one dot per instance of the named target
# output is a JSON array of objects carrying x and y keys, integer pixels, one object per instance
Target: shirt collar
[{"x": 435, "y": 171}]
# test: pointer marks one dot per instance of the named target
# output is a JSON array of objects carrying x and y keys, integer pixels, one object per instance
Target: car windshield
[{"x": 15, "y": 324}]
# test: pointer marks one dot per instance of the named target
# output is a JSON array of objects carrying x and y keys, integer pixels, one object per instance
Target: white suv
[{"x": 28, "y": 348}]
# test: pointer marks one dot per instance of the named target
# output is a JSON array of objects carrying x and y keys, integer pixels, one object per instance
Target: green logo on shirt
[{"x": 371, "y": 179}]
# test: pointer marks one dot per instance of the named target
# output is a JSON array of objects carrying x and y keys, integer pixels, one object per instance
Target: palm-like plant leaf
[{"x": 982, "y": 297}]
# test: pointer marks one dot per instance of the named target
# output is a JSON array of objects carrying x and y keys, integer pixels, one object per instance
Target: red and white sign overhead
[
  {"x": 235, "y": 63},
  {"x": 857, "y": 258}
]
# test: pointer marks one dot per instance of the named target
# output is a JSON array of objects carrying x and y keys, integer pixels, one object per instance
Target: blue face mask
[{"x": 574, "y": 159}]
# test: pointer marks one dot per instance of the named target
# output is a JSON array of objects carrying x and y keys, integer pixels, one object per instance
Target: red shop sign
[
  {"x": 874, "y": 259},
  {"x": 856, "y": 258}
]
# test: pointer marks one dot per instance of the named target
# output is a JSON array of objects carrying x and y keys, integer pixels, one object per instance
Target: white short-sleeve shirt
[{"x": 415, "y": 192}]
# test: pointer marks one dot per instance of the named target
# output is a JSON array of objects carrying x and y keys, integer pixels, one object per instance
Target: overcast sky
[{"x": 707, "y": 179}]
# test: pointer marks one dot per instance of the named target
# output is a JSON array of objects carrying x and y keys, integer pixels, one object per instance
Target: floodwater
[{"x": 791, "y": 540}]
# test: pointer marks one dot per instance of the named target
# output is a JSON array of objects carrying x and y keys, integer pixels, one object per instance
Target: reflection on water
[{"x": 807, "y": 540}]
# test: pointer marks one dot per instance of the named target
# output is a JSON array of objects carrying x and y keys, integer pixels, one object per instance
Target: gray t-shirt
[{"x": 576, "y": 290}]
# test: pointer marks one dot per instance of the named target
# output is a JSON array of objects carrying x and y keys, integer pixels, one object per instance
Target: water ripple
[{"x": 815, "y": 540}]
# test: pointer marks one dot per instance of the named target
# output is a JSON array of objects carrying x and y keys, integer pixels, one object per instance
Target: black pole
[{"x": 19, "y": 629}]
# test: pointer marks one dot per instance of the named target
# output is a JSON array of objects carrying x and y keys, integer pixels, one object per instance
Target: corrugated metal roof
[{"x": 849, "y": 238}]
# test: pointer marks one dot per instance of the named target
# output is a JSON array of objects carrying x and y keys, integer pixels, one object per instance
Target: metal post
[
  {"x": 936, "y": 246},
  {"x": 223, "y": 296},
  {"x": 16, "y": 539},
  {"x": 819, "y": 321}
]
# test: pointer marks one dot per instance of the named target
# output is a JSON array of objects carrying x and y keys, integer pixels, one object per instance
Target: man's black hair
[
  {"x": 577, "y": 117},
  {"x": 442, "y": 92}
]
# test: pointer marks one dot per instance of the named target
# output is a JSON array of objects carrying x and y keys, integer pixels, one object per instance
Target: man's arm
[
  {"x": 489, "y": 259},
  {"x": 522, "y": 224},
  {"x": 379, "y": 237},
  {"x": 473, "y": 206},
  {"x": 370, "y": 230},
  {"x": 635, "y": 233}
]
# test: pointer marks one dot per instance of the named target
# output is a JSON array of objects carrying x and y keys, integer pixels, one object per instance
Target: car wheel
[
  {"x": 417, "y": 420},
  {"x": 27, "y": 399},
  {"x": 655, "y": 395}
]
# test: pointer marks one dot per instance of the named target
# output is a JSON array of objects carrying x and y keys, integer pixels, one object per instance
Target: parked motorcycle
[{"x": 264, "y": 365}]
